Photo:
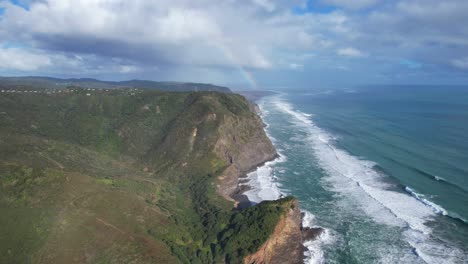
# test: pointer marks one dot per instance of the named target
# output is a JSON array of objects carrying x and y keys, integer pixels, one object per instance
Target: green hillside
[{"x": 119, "y": 177}]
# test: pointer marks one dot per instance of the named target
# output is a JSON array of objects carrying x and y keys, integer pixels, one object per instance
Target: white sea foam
[
  {"x": 315, "y": 253},
  {"x": 264, "y": 186},
  {"x": 437, "y": 178},
  {"x": 433, "y": 251},
  {"x": 356, "y": 179},
  {"x": 436, "y": 208}
]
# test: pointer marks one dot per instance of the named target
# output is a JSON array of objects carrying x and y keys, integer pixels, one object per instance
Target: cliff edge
[
  {"x": 285, "y": 243},
  {"x": 244, "y": 146}
]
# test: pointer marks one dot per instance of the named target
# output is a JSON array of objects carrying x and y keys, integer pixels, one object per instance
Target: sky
[{"x": 245, "y": 44}]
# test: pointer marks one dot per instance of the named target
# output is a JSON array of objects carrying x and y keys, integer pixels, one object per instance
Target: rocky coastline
[{"x": 285, "y": 245}]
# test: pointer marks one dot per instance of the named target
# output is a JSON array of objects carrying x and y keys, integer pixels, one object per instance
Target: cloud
[
  {"x": 128, "y": 69},
  {"x": 350, "y": 52},
  {"x": 22, "y": 60},
  {"x": 177, "y": 32},
  {"x": 420, "y": 23},
  {"x": 171, "y": 33},
  {"x": 461, "y": 63},
  {"x": 296, "y": 66},
  {"x": 265, "y": 36},
  {"x": 266, "y": 4},
  {"x": 34, "y": 61}
]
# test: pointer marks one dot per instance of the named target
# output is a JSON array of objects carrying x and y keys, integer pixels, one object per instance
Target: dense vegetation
[
  {"x": 249, "y": 228},
  {"x": 121, "y": 177}
]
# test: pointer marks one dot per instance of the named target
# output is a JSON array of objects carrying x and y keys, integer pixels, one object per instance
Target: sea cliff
[
  {"x": 285, "y": 244},
  {"x": 244, "y": 146}
]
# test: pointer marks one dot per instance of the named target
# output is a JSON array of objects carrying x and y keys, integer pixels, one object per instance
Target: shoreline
[
  {"x": 262, "y": 184},
  {"x": 242, "y": 186},
  {"x": 308, "y": 233}
]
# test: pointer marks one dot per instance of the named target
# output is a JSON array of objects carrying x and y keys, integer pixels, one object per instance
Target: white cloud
[
  {"x": 171, "y": 31},
  {"x": 176, "y": 32},
  {"x": 185, "y": 25},
  {"x": 296, "y": 66},
  {"x": 461, "y": 63},
  {"x": 350, "y": 52},
  {"x": 32, "y": 61},
  {"x": 22, "y": 60},
  {"x": 266, "y": 4},
  {"x": 133, "y": 36},
  {"x": 418, "y": 23},
  {"x": 128, "y": 69}
]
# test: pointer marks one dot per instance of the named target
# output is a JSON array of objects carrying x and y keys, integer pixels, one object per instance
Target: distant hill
[{"x": 48, "y": 82}]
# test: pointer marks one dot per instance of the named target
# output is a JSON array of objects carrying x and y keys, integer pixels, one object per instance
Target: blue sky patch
[
  {"x": 11, "y": 44},
  {"x": 22, "y": 3},
  {"x": 313, "y": 7}
]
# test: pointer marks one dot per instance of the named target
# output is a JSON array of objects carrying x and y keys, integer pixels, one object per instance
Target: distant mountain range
[{"x": 48, "y": 82}]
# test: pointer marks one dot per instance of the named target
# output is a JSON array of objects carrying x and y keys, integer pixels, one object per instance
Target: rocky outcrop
[
  {"x": 311, "y": 233},
  {"x": 285, "y": 244}
]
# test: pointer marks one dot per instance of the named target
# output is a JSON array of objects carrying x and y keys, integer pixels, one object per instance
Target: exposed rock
[
  {"x": 311, "y": 233},
  {"x": 243, "y": 145},
  {"x": 192, "y": 138},
  {"x": 285, "y": 244}
]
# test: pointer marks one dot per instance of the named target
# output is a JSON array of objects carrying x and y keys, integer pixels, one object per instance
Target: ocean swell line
[
  {"x": 356, "y": 179},
  {"x": 263, "y": 186}
]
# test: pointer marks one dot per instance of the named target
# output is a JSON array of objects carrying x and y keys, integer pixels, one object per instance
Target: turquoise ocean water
[{"x": 384, "y": 169}]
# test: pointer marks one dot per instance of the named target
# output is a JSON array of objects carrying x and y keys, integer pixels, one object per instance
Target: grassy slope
[{"x": 113, "y": 178}]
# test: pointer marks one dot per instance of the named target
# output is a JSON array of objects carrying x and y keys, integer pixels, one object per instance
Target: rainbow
[{"x": 238, "y": 65}]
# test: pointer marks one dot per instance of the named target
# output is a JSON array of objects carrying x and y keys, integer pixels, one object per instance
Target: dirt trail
[
  {"x": 109, "y": 225},
  {"x": 53, "y": 161}
]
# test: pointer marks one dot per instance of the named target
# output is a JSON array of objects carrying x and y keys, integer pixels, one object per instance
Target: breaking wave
[{"x": 358, "y": 180}]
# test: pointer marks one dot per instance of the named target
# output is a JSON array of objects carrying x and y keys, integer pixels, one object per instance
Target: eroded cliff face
[
  {"x": 285, "y": 244},
  {"x": 243, "y": 145}
]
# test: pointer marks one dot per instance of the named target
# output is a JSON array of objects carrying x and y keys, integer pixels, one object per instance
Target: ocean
[{"x": 383, "y": 169}]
